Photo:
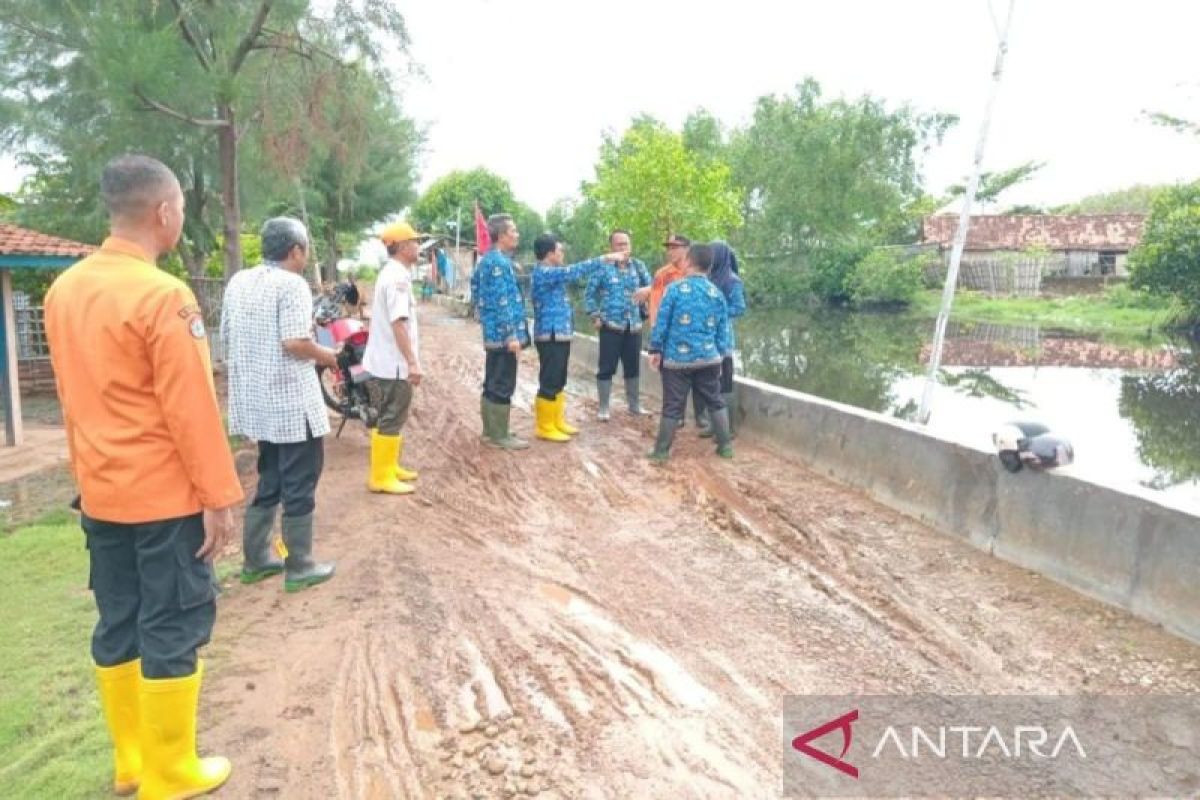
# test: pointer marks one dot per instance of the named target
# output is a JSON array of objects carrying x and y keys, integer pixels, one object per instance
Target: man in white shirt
[
  {"x": 392, "y": 358},
  {"x": 275, "y": 399}
]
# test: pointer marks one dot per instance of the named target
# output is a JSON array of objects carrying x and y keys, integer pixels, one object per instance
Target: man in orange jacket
[
  {"x": 668, "y": 273},
  {"x": 155, "y": 475}
]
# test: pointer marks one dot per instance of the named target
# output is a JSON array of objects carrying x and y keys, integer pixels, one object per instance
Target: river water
[{"x": 1130, "y": 407}]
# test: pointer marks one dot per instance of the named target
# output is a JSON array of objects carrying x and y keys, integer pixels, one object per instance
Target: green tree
[
  {"x": 649, "y": 183},
  {"x": 993, "y": 184},
  {"x": 704, "y": 135},
  {"x": 455, "y": 194},
  {"x": 819, "y": 172},
  {"x": 364, "y": 174},
  {"x": 577, "y": 222},
  {"x": 199, "y": 68},
  {"x": 530, "y": 224},
  {"x": 1167, "y": 259},
  {"x": 1137, "y": 199},
  {"x": 885, "y": 277}
]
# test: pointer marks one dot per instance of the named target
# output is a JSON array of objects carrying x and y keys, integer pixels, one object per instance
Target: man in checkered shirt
[{"x": 275, "y": 399}]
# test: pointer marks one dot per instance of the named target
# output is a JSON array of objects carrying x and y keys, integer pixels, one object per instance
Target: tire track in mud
[{"x": 573, "y": 622}]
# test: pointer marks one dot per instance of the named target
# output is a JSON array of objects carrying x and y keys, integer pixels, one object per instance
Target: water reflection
[
  {"x": 1164, "y": 409},
  {"x": 1132, "y": 406}
]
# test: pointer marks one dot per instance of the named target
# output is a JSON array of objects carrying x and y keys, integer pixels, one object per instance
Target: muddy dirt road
[{"x": 572, "y": 622}]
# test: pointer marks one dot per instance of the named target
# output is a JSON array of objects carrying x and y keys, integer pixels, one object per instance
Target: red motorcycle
[{"x": 344, "y": 389}]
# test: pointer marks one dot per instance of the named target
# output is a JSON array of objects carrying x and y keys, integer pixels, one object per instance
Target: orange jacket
[
  {"x": 663, "y": 278},
  {"x": 131, "y": 360}
]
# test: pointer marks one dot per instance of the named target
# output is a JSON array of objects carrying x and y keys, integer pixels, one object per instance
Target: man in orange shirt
[
  {"x": 670, "y": 272},
  {"x": 155, "y": 475}
]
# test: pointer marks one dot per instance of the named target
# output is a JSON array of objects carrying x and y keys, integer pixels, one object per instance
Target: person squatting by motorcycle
[
  {"x": 392, "y": 359},
  {"x": 275, "y": 400},
  {"x": 553, "y": 329}
]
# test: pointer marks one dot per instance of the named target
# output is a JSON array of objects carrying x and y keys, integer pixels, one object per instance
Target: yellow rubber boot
[
  {"x": 171, "y": 769},
  {"x": 120, "y": 697},
  {"x": 403, "y": 473},
  {"x": 383, "y": 466},
  {"x": 544, "y": 421},
  {"x": 560, "y": 415}
]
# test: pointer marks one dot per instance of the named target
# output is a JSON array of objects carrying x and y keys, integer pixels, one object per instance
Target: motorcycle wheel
[{"x": 333, "y": 391}]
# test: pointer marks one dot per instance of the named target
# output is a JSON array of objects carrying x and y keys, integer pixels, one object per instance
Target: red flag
[{"x": 483, "y": 242}]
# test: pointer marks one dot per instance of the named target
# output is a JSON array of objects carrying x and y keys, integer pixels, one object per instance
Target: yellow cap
[{"x": 398, "y": 232}]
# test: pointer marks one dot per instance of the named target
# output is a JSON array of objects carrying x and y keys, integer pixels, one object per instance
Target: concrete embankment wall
[{"x": 1116, "y": 546}]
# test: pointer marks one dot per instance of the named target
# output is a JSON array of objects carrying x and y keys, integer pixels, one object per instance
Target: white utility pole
[{"x": 964, "y": 220}]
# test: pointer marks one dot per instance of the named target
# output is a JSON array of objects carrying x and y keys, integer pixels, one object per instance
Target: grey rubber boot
[
  {"x": 720, "y": 424},
  {"x": 703, "y": 421},
  {"x": 488, "y": 420},
  {"x": 496, "y": 417},
  {"x": 302, "y": 570},
  {"x": 662, "y": 443},
  {"x": 604, "y": 392},
  {"x": 258, "y": 563},
  {"x": 633, "y": 397},
  {"x": 731, "y": 407}
]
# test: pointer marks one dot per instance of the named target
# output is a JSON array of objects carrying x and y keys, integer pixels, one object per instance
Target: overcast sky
[{"x": 527, "y": 87}]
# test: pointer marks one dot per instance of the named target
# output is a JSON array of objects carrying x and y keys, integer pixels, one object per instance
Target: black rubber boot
[
  {"x": 257, "y": 561},
  {"x": 302, "y": 570},
  {"x": 731, "y": 407},
  {"x": 703, "y": 420},
  {"x": 633, "y": 397},
  {"x": 720, "y": 425},
  {"x": 604, "y": 392},
  {"x": 662, "y": 443}
]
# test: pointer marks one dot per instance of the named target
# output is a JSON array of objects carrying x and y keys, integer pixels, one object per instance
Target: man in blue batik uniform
[
  {"x": 614, "y": 297},
  {"x": 691, "y": 338},
  {"x": 552, "y": 331},
  {"x": 502, "y": 318}
]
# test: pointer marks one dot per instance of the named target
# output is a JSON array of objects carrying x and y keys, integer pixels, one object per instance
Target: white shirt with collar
[{"x": 393, "y": 301}]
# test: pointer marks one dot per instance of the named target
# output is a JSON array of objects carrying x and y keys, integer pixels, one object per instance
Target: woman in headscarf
[{"x": 725, "y": 275}]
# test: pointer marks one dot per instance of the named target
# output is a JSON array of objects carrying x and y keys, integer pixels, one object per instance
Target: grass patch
[
  {"x": 1118, "y": 310},
  {"x": 52, "y": 738}
]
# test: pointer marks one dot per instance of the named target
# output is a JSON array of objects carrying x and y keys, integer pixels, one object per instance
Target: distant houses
[{"x": 1065, "y": 245}]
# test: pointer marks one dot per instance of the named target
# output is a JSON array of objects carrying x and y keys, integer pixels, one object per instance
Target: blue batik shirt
[
  {"x": 609, "y": 295},
  {"x": 498, "y": 297},
  {"x": 692, "y": 327},
  {"x": 552, "y": 312}
]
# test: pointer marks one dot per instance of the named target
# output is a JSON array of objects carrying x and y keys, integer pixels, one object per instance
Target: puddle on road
[{"x": 561, "y": 597}]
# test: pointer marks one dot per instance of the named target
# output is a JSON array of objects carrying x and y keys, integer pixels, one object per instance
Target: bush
[
  {"x": 775, "y": 283},
  {"x": 1122, "y": 295},
  {"x": 251, "y": 255},
  {"x": 829, "y": 271},
  {"x": 885, "y": 278},
  {"x": 1167, "y": 260}
]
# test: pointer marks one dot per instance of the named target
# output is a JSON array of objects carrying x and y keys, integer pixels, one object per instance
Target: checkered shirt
[{"x": 273, "y": 395}]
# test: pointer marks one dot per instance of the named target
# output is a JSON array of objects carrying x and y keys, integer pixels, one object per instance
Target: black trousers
[
  {"x": 726, "y": 385},
  {"x": 288, "y": 473},
  {"x": 554, "y": 357},
  {"x": 704, "y": 381},
  {"x": 157, "y": 601},
  {"x": 500, "y": 376},
  {"x": 624, "y": 346}
]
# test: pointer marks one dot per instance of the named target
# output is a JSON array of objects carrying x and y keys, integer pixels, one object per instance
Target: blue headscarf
[{"x": 725, "y": 267}]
